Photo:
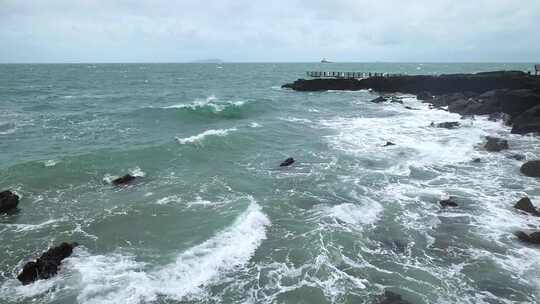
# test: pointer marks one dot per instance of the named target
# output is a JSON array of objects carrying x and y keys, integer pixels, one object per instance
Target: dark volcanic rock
[
  {"x": 438, "y": 85},
  {"x": 526, "y": 205},
  {"x": 516, "y": 156},
  {"x": 389, "y": 143},
  {"x": 391, "y": 298},
  {"x": 532, "y": 238},
  {"x": 447, "y": 125},
  {"x": 531, "y": 168},
  {"x": 47, "y": 265},
  {"x": 126, "y": 179},
  {"x": 381, "y": 99},
  {"x": 425, "y": 96},
  {"x": 448, "y": 203},
  {"x": 289, "y": 161},
  {"x": 411, "y": 108},
  {"x": 527, "y": 122},
  {"x": 8, "y": 201},
  {"x": 495, "y": 144}
]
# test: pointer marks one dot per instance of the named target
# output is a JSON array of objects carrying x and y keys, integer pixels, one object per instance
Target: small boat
[{"x": 324, "y": 60}]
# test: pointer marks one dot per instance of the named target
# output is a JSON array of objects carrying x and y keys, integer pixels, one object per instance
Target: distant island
[{"x": 208, "y": 61}]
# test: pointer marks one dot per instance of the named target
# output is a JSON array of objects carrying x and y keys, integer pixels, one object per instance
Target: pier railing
[{"x": 355, "y": 75}]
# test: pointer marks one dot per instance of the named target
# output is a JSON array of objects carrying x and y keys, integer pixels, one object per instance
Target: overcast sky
[{"x": 272, "y": 30}]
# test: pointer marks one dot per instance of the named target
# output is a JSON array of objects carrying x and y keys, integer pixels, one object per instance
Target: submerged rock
[
  {"x": 126, "y": 179},
  {"x": 447, "y": 125},
  {"x": 379, "y": 99},
  {"x": 532, "y": 238},
  {"x": 516, "y": 156},
  {"x": 526, "y": 205},
  {"x": 382, "y": 99},
  {"x": 391, "y": 298},
  {"x": 448, "y": 203},
  {"x": 8, "y": 201},
  {"x": 289, "y": 161},
  {"x": 495, "y": 144},
  {"x": 411, "y": 108},
  {"x": 46, "y": 266},
  {"x": 531, "y": 168}
]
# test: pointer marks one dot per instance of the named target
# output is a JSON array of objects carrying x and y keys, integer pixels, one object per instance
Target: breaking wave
[{"x": 200, "y": 137}]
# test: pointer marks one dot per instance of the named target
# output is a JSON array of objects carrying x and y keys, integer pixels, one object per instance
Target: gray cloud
[{"x": 293, "y": 30}]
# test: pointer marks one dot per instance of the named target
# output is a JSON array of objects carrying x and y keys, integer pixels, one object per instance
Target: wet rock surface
[
  {"x": 527, "y": 206},
  {"x": 8, "y": 201},
  {"x": 289, "y": 161},
  {"x": 512, "y": 97},
  {"x": 47, "y": 265},
  {"x": 531, "y": 168},
  {"x": 124, "y": 180},
  {"x": 495, "y": 144}
]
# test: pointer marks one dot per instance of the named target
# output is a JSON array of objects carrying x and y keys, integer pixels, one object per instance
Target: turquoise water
[{"x": 213, "y": 219}]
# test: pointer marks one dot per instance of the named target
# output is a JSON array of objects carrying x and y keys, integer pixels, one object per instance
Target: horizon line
[{"x": 247, "y": 62}]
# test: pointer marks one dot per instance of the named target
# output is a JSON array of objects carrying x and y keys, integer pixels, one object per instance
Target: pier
[{"x": 354, "y": 75}]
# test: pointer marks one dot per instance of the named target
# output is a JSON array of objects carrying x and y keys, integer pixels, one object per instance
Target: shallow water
[{"x": 213, "y": 219}]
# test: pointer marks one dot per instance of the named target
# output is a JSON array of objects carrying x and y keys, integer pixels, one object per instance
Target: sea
[{"x": 213, "y": 218}]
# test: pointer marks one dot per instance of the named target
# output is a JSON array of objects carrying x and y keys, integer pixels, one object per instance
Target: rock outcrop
[
  {"x": 531, "y": 238},
  {"x": 46, "y": 266},
  {"x": 448, "y": 203},
  {"x": 527, "y": 122},
  {"x": 8, "y": 201},
  {"x": 526, "y": 205},
  {"x": 531, "y": 168},
  {"x": 126, "y": 179},
  {"x": 495, "y": 144},
  {"x": 443, "y": 84},
  {"x": 381, "y": 99},
  {"x": 289, "y": 161},
  {"x": 510, "y": 96},
  {"x": 446, "y": 125}
]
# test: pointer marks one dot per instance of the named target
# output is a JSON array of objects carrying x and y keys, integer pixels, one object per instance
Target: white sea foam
[
  {"x": 211, "y": 101},
  {"x": 31, "y": 227},
  {"x": 118, "y": 278},
  {"x": 411, "y": 131},
  {"x": 357, "y": 214},
  {"x": 50, "y": 163},
  {"x": 199, "y": 137},
  {"x": 296, "y": 119},
  {"x": 137, "y": 172}
]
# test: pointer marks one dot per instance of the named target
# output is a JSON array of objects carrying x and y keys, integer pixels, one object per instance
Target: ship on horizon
[{"x": 324, "y": 60}]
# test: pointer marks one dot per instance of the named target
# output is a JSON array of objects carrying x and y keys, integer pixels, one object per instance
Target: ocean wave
[
  {"x": 210, "y": 105},
  {"x": 200, "y": 137},
  {"x": 119, "y": 278}
]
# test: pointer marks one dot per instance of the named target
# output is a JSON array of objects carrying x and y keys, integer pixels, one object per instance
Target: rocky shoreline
[{"x": 513, "y": 96}]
